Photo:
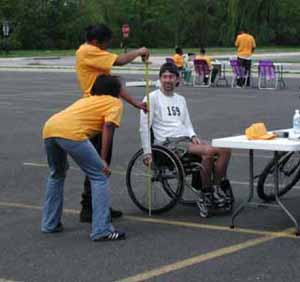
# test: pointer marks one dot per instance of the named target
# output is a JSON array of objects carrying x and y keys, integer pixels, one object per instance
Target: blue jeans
[{"x": 87, "y": 158}]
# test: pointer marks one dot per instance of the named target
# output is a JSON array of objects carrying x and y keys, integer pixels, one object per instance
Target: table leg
[
  {"x": 251, "y": 189},
  {"x": 277, "y": 197}
]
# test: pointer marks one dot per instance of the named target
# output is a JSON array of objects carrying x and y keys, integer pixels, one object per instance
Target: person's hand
[
  {"x": 106, "y": 170},
  {"x": 142, "y": 106},
  {"x": 196, "y": 140},
  {"x": 144, "y": 53},
  {"x": 147, "y": 160}
]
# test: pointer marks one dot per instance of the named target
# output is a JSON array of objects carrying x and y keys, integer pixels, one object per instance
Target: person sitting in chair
[
  {"x": 171, "y": 126},
  {"x": 178, "y": 58},
  {"x": 208, "y": 59}
]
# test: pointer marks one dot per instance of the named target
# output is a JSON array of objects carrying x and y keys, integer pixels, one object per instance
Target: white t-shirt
[{"x": 169, "y": 117}]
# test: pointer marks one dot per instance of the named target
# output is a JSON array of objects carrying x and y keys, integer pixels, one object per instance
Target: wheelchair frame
[{"x": 166, "y": 166}]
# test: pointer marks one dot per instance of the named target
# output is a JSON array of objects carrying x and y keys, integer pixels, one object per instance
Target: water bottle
[{"x": 296, "y": 124}]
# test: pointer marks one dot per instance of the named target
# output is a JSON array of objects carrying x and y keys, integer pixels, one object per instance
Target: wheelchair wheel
[
  {"x": 288, "y": 176},
  {"x": 167, "y": 180}
]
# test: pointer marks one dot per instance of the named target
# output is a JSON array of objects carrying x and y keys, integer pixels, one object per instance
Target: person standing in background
[
  {"x": 245, "y": 44},
  {"x": 93, "y": 59}
]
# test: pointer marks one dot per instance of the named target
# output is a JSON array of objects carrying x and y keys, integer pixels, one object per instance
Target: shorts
[{"x": 179, "y": 145}]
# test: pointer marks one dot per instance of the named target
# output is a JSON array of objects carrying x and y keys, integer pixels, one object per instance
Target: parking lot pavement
[{"x": 175, "y": 246}]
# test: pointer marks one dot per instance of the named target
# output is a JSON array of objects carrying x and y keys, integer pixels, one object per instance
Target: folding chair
[
  {"x": 238, "y": 74},
  {"x": 170, "y": 60},
  {"x": 202, "y": 74},
  {"x": 267, "y": 77}
]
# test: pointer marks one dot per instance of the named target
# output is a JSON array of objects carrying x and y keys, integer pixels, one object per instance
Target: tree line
[{"x": 59, "y": 24}]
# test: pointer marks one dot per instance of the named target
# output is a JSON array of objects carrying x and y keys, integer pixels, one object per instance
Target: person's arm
[
  {"x": 187, "y": 121},
  {"x": 107, "y": 138},
  {"x": 236, "y": 42},
  {"x": 253, "y": 44},
  {"x": 130, "y": 100},
  {"x": 144, "y": 130},
  {"x": 126, "y": 58}
]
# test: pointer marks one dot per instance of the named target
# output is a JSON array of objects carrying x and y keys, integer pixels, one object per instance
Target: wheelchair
[{"x": 169, "y": 176}]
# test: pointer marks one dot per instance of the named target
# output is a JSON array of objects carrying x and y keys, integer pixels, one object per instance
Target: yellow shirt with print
[
  {"x": 245, "y": 44},
  {"x": 178, "y": 60},
  {"x": 84, "y": 118},
  {"x": 92, "y": 61},
  {"x": 205, "y": 58}
]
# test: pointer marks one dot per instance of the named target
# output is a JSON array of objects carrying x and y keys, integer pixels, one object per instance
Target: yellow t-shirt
[
  {"x": 92, "y": 61},
  {"x": 84, "y": 118},
  {"x": 205, "y": 58},
  {"x": 178, "y": 60},
  {"x": 245, "y": 44}
]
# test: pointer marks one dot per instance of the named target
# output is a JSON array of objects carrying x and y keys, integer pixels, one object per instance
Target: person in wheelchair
[{"x": 171, "y": 126}]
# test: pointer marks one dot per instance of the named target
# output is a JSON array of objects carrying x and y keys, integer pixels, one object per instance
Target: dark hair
[
  {"x": 106, "y": 85},
  {"x": 99, "y": 32},
  {"x": 202, "y": 50},
  {"x": 179, "y": 51},
  {"x": 170, "y": 67}
]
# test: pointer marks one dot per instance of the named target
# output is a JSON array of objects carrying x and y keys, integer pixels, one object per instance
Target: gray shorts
[{"x": 179, "y": 145}]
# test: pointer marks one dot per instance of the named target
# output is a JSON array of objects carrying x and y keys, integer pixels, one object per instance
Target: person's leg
[
  {"x": 86, "y": 197},
  {"x": 248, "y": 70},
  {"x": 53, "y": 204},
  {"x": 87, "y": 158},
  {"x": 208, "y": 154},
  {"x": 221, "y": 164},
  {"x": 214, "y": 73}
]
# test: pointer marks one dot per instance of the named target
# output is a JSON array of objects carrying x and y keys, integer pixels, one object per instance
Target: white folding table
[{"x": 276, "y": 145}]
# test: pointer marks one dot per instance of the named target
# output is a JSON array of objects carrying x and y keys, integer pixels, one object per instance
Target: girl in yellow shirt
[{"x": 68, "y": 133}]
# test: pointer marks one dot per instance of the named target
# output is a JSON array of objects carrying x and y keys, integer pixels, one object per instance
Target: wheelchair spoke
[{"x": 166, "y": 182}]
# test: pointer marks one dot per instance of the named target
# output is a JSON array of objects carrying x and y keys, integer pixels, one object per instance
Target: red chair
[{"x": 202, "y": 74}]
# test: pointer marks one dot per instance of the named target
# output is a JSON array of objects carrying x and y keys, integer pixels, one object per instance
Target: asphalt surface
[{"x": 176, "y": 246}]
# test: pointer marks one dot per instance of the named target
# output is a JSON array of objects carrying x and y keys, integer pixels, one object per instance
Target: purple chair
[
  {"x": 202, "y": 74},
  {"x": 267, "y": 78},
  {"x": 238, "y": 74},
  {"x": 170, "y": 60}
]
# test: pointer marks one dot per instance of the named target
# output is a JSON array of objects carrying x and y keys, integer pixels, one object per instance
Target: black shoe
[
  {"x": 226, "y": 188},
  {"x": 113, "y": 236},
  {"x": 115, "y": 213},
  {"x": 59, "y": 228},
  {"x": 85, "y": 215}
]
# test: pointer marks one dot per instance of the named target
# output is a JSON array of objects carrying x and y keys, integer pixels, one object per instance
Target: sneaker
[
  {"x": 227, "y": 189},
  {"x": 201, "y": 203},
  {"x": 217, "y": 199},
  {"x": 59, "y": 228},
  {"x": 113, "y": 236}
]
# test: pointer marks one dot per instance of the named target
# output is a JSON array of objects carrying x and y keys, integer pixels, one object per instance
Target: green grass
[{"x": 157, "y": 51}]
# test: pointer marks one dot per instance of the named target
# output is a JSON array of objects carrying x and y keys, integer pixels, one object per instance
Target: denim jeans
[
  {"x": 86, "y": 196},
  {"x": 87, "y": 158}
]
